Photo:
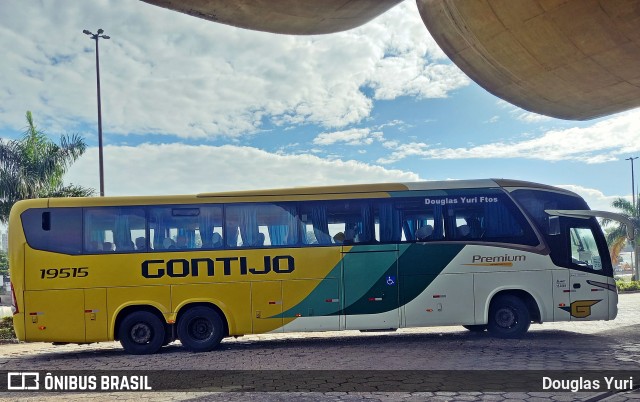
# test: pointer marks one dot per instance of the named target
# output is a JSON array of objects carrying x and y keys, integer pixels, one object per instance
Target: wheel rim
[
  {"x": 506, "y": 318},
  {"x": 200, "y": 329},
  {"x": 141, "y": 333}
]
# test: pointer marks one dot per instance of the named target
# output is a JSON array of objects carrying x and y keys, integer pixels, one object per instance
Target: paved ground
[{"x": 552, "y": 348}]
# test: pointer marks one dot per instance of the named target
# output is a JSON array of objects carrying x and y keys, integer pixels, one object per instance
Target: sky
[{"x": 192, "y": 106}]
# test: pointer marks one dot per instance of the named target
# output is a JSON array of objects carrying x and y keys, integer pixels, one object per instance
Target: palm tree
[
  {"x": 617, "y": 235},
  {"x": 33, "y": 167}
]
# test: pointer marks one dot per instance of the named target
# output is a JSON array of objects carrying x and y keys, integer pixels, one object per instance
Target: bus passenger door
[
  {"x": 589, "y": 293},
  {"x": 370, "y": 274},
  {"x": 266, "y": 302}
]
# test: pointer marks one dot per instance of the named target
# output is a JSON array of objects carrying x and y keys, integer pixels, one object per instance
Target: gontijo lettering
[{"x": 180, "y": 267}]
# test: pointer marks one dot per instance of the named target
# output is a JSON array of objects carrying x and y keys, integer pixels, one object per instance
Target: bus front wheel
[
  {"x": 509, "y": 317},
  {"x": 141, "y": 333},
  {"x": 200, "y": 329}
]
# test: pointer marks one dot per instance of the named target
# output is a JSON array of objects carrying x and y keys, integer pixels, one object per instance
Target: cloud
[
  {"x": 354, "y": 136},
  {"x": 188, "y": 169},
  {"x": 165, "y": 72},
  {"x": 529, "y": 117},
  {"x": 521, "y": 114},
  {"x": 153, "y": 169},
  {"x": 412, "y": 75},
  {"x": 601, "y": 142}
]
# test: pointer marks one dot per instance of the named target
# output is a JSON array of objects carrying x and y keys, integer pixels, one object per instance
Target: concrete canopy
[
  {"x": 570, "y": 59},
  {"x": 297, "y": 17}
]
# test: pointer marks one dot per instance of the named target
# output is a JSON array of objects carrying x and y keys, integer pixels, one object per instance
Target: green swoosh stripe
[{"x": 416, "y": 266}]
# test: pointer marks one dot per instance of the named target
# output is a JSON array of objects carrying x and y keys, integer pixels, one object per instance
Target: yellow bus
[{"x": 485, "y": 254}]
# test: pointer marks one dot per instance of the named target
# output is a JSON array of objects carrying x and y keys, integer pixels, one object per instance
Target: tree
[
  {"x": 33, "y": 167},
  {"x": 4, "y": 265},
  {"x": 617, "y": 235}
]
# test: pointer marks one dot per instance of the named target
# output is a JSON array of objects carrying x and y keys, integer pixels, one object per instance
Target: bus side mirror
[{"x": 554, "y": 225}]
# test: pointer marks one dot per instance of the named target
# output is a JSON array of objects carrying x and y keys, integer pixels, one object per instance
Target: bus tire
[
  {"x": 169, "y": 335},
  {"x": 141, "y": 333},
  {"x": 509, "y": 317},
  {"x": 476, "y": 328},
  {"x": 200, "y": 329}
]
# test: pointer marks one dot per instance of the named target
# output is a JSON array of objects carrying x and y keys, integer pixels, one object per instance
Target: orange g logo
[{"x": 580, "y": 308}]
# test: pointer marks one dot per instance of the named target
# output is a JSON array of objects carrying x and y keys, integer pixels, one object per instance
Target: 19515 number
[{"x": 51, "y": 273}]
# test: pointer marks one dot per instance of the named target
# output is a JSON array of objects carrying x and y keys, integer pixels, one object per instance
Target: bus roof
[
  {"x": 385, "y": 187},
  {"x": 294, "y": 193}
]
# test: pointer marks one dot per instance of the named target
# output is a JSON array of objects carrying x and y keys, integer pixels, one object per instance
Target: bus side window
[
  {"x": 262, "y": 225},
  {"x": 280, "y": 225},
  {"x": 208, "y": 228},
  {"x": 55, "y": 229},
  {"x": 488, "y": 216},
  {"x": 185, "y": 227},
  {"x": 409, "y": 220},
  {"x": 337, "y": 222},
  {"x": 242, "y": 226},
  {"x": 465, "y": 223},
  {"x": 389, "y": 218},
  {"x": 113, "y": 229}
]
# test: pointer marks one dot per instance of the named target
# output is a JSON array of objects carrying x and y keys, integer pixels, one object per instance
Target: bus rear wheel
[
  {"x": 200, "y": 329},
  {"x": 141, "y": 333},
  {"x": 509, "y": 317}
]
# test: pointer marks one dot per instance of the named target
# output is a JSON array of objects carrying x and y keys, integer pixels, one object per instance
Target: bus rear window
[{"x": 58, "y": 230}]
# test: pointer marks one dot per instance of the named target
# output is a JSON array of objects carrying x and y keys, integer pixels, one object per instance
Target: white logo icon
[{"x": 27, "y": 381}]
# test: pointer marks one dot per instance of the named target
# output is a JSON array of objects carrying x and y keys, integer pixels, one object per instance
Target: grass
[
  {"x": 628, "y": 286},
  {"x": 6, "y": 330}
]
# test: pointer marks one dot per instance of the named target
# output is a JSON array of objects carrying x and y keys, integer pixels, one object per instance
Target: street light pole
[
  {"x": 100, "y": 159},
  {"x": 636, "y": 248},
  {"x": 633, "y": 185}
]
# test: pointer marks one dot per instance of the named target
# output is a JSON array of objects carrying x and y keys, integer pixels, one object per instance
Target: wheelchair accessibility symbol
[{"x": 391, "y": 280}]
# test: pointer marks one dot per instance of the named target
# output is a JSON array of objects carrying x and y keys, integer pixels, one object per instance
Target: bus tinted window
[
  {"x": 185, "y": 227},
  {"x": 535, "y": 202},
  {"x": 261, "y": 225},
  {"x": 119, "y": 229},
  {"x": 337, "y": 222},
  {"x": 55, "y": 229},
  {"x": 486, "y": 216},
  {"x": 409, "y": 219},
  {"x": 562, "y": 248},
  {"x": 482, "y": 215}
]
